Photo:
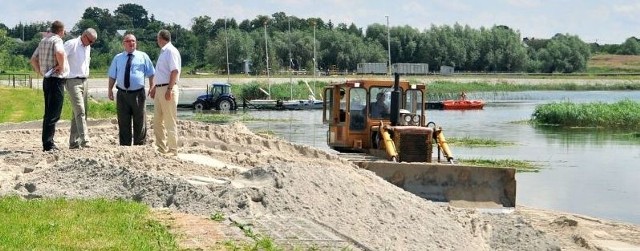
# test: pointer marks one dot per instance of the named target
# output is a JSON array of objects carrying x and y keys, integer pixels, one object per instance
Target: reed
[
  {"x": 477, "y": 142},
  {"x": 438, "y": 90},
  {"x": 519, "y": 165},
  {"x": 624, "y": 114},
  {"x": 283, "y": 91}
]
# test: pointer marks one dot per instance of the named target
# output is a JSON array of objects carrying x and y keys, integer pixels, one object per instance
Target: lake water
[{"x": 589, "y": 172}]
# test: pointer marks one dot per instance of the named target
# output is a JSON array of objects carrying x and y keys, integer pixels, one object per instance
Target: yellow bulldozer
[{"x": 381, "y": 125}]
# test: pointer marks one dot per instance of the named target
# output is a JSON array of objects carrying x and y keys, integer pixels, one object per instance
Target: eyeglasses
[{"x": 89, "y": 39}]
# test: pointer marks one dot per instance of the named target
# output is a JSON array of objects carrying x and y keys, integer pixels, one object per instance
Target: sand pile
[{"x": 228, "y": 169}]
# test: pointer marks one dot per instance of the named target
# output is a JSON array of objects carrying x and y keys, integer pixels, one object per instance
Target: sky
[{"x": 604, "y": 22}]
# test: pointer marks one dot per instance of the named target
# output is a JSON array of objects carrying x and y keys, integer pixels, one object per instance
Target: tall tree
[
  {"x": 137, "y": 13},
  {"x": 101, "y": 17},
  {"x": 502, "y": 49},
  {"x": 630, "y": 47},
  {"x": 565, "y": 53},
  {"x": 8, "y": 59}
]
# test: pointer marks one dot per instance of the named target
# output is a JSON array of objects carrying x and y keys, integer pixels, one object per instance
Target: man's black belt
[
  {"x": 80, "y": 78},
  {"x": 161, "y": 85},
  {"x": 129, "y": 91}
]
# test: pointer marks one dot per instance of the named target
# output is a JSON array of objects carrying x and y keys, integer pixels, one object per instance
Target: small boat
[
  {"x": 462, "y": 104},
  {"x": 273, "y": 104},
  {"x": 302, "y": 104},
  {"x": 263, "y": 104}
]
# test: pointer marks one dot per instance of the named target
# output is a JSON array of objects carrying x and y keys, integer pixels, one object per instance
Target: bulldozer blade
[{"x": 460, "y": 185}]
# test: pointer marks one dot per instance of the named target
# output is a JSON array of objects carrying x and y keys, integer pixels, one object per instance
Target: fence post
[{"x": 14, "y": 81}]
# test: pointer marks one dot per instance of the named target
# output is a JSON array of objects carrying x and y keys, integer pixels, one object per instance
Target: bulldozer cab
[
  {"x": 355, "y": 110},
  {"x": 382, "y": 126}
]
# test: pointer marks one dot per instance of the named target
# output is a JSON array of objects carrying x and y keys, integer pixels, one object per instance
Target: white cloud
[
  {"x": 524, "y": 3},
  {"x": 627, "y": 8}
]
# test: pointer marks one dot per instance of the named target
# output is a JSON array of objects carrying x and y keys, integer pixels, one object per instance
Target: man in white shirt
[
  {"x": 165, "y": 95},
  {"x": 78, "y": 54}
]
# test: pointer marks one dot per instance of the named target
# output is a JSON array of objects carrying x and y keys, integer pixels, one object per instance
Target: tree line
[{"x": 286, "y": 42}]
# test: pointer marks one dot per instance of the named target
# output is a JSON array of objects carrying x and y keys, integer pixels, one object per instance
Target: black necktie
[{"x": 127, "y": 72}]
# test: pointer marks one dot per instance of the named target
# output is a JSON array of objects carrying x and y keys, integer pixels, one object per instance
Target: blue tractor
[{"x": 218, "y": 97}]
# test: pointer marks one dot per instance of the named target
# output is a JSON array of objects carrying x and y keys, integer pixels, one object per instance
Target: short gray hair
[
  {"x": 91, "y": 32},
  {"x": 165, "y": 35}
]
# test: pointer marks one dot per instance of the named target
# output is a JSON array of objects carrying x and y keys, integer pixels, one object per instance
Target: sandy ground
[{"x": 227, "y": 169}]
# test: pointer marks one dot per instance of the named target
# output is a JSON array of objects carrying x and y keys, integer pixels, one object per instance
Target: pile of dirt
[{"x": 227, "y": 169}]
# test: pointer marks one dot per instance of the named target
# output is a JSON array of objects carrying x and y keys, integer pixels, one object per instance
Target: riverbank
[
  {"x": 267, "y": 182},
  {"x": 188, "y": 82}
]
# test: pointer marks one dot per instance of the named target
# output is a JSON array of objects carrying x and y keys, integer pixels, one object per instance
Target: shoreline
[{"x": 201, "y": 82}]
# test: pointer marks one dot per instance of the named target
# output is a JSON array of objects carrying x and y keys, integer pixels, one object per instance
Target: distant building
[
  {"x": 246, "y": 66},
  {"x": 446, "y": 70},
  {"x": 411, "y": 68}
]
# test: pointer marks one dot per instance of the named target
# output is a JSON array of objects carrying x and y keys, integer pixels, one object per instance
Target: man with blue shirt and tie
[{"x": 128, "y": 69}]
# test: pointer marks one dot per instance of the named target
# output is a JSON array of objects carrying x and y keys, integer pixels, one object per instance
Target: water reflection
[{"x": 592, "y": 172}]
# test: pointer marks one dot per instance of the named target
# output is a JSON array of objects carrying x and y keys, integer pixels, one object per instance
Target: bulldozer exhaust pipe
[{"x": 395, "y": 100}]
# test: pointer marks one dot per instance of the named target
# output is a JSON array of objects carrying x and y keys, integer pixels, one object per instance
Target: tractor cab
[{"x": 218, "y": 96}]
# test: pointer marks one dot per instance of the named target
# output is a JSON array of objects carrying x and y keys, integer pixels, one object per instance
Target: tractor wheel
[
  {"x": 225, "y": 105},
  {"x": 199, "y": 106}
]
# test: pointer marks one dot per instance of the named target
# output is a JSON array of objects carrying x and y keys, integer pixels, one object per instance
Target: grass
[
  {"x": 606, "y": 63},
  {"x": 223, "y": 118},
  {"x": 476, "y": 142},
  {"x": 24, "y": 104},
  {"x": 260, "y": 242},
  {"x": 217, "y": 216},
  {"x": 624, "y": 114},
  {"x": 96, "y": 224},
  {"x": 519, "y": 165},
  {"x": 66, "y": 224}
]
